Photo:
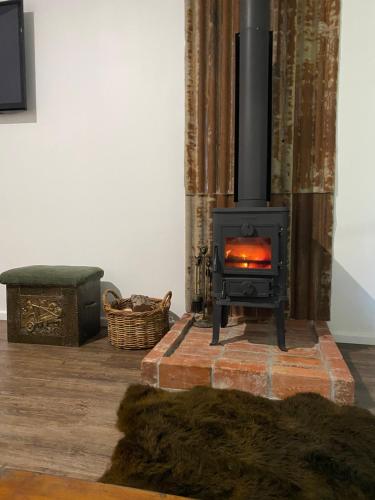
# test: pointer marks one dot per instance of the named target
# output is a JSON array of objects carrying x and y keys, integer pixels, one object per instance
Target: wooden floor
[
  {"x": 361, "y": 362},
  {"x": 34, "y": 486},
  {"x": 58, "y": 405}
]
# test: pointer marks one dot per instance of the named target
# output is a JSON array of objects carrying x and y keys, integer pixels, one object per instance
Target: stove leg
[
  {"x": 280, "y": 326},
  {"x": 224, "y": 316},
  {"x": 216, "y": 324}
]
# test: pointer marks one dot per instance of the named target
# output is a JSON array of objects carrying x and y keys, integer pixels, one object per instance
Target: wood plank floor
[
  {"x": 361, "y": 362},
  {"x": 58, "y": 405},
  {"x": 34, "y": 486}
]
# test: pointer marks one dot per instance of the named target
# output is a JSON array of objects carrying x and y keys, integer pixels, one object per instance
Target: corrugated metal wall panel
[{"x": 305, "y": 67}]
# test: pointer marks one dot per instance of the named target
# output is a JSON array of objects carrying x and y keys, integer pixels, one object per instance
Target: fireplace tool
[{"x": 202, "y": 288}]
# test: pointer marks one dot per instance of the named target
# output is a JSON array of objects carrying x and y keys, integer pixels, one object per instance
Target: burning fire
[{"x": 248, "y": 253}]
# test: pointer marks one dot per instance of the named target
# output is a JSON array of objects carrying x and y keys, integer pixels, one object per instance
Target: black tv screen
[{"x": 12, "y": 56}]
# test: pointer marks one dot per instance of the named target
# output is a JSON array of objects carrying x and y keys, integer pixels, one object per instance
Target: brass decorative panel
[
  {"x": 65, "y": 316},
  {"x": 41, "y": 315}
]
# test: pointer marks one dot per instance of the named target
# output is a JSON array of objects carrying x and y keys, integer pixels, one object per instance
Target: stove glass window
[{"x": 248, "y": 253}]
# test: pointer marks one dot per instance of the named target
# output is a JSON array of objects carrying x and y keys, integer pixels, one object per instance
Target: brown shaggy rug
[{"x": 217, "y": 444}]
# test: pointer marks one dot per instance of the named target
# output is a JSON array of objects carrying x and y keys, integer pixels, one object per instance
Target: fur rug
[{"x": 217, "y": 444}]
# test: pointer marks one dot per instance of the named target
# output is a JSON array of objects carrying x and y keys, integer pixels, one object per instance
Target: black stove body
[
  {"x": 250, "y": 241},
  {"x": 250, "y": 263}
]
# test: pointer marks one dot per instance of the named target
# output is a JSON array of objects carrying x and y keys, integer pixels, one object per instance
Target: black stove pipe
[{"x": 253, "y": 134}]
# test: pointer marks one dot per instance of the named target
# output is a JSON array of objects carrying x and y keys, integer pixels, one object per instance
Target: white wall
[
  {"x": 353, "y": 293},
  {"x": 94, "y": 174}
]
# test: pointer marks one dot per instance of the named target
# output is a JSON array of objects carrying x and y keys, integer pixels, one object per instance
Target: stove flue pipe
[{"x": 253, "y": 105}]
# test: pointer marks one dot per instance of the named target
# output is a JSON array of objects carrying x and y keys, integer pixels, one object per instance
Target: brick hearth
[{"x": 249, "y": 360}]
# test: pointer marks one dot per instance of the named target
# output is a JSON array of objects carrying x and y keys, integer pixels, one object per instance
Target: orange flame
[{"x": 248, "y": 253}]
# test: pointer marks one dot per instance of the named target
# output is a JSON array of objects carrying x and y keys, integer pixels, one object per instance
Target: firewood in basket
[{"x": 141, "y": 303}]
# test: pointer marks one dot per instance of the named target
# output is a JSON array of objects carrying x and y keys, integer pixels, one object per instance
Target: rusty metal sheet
[
  {"x": 310, "y": 270},
  {"x": 315, "y": 105},
  {"x": 284, "y": 74},
  {"x": 305, "y": 67},
  {"x": 210, "y": 73}
]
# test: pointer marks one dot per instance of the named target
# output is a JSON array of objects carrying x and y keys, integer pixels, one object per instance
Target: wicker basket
[{"x": 136, "y": 330}]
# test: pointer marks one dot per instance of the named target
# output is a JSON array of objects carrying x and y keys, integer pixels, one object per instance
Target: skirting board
[
  {"x": 358, "y": 338},
  {"x": 3, "y": 315}
]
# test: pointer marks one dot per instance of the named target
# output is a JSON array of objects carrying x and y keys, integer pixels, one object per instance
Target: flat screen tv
[{"x": 12, "y": 57}]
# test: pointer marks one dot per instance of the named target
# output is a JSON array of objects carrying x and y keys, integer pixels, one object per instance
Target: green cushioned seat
[{"x": 51, "y": 275}]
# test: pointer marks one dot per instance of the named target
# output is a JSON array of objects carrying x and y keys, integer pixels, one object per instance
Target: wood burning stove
[
  {"x": 250, "y": 263},
  {"x": 250, "y": 241}
]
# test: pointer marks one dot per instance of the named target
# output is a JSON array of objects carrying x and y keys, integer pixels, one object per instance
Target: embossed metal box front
[{"x": 65, "y": 316}]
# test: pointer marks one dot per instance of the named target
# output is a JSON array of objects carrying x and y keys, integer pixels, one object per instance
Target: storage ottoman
[{"x": 55, "y": 305}]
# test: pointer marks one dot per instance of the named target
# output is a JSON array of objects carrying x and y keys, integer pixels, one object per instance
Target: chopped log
[{"x": 141, "y": 303}]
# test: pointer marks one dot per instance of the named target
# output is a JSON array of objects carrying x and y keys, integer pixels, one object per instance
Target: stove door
[{"x": 249, "y": 249}]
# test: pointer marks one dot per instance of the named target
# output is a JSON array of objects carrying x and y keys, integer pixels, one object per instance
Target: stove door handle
[{"x": 215, "y": 263}]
